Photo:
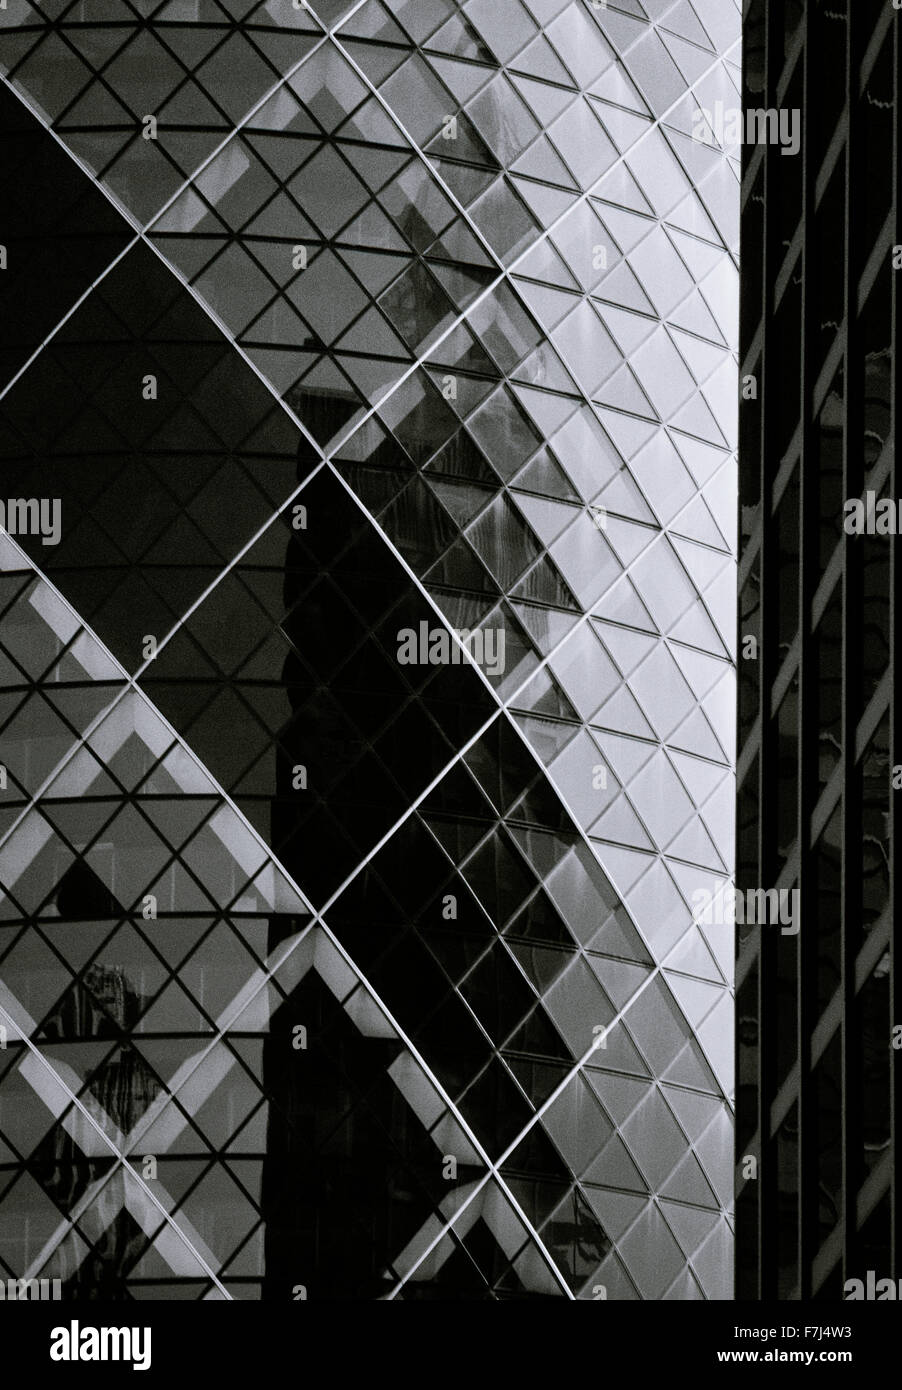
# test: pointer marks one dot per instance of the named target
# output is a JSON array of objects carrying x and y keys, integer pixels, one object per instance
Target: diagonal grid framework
[{"x": 583, "y": 619}]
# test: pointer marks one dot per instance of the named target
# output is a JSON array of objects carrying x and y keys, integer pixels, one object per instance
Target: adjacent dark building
[{"x": 818, "y": 1079}]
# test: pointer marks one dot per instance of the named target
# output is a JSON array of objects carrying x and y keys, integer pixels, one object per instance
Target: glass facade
[
  {"x": 344, "y": 956},
  {"x": 817, "y": 1094}
]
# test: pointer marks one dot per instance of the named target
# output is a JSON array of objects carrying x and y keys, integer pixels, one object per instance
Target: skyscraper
[
  {"x": 817, "y": 1092},
  {"x": 367, "y": 728}
]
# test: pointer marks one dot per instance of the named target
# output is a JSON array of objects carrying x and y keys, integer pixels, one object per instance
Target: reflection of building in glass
[
  {"x": 815, "y": 1012},
  {"x": 382, "y": 979}
]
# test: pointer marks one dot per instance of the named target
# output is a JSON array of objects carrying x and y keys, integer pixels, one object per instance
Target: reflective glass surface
[{"x": 330, "y": 973}]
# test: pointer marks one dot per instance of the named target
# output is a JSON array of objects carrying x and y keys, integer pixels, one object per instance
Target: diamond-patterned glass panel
[{"x": 366, "y": 730}]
